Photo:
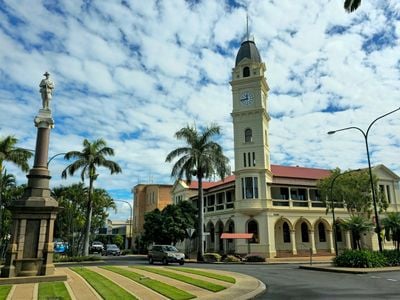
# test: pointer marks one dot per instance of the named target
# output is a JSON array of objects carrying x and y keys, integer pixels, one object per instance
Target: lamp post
[
  {"x": 130, "y": 220},
  {"x": 365, "y": 134},
  {"x": 333, "y": 207}
]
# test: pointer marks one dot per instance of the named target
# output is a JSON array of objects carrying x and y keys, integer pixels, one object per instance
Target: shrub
[
  {"x": 212, "y": 257},
  {"x": 360, "y": 259},
  {"x": 58, "y": 258},
  {"x": 231, "y": 258},
  {"x": 392, "y": 257},
  {"x": 254, "y": 258}
]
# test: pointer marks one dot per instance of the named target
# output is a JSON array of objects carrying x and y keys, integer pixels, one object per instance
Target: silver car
[{"x": 165, "y": 254}]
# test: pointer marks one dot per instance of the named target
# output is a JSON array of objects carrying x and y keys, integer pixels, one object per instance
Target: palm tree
[
  {"x": 7, "y": 181},
  {"x": 10, "y": 153},
  {"x": 357, "y": 225},
  {"x": 202, "y": 158},
  {"x": 351, "y": 5},
  {"x": 92, "y": 156},
  {"x": 391, "y": 224}
]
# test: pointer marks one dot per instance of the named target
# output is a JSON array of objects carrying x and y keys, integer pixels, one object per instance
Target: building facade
[
  {"x": 146, "y": 198},
  {"x": 280, "y": 205}
]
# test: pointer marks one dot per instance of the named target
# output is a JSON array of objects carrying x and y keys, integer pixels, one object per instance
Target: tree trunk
[
  {"x": 200, "y": 249},
  {"x": 88, "y": 219}
]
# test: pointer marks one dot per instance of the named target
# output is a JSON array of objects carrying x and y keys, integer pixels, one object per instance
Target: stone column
[
  {"x": 293, "y": 241},
  {"x": 330, "y": 241},
  {"x": 312, "y": 241},
  {"x": 348, "y": 239}
]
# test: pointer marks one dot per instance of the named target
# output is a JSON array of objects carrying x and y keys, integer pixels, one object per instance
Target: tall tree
[
  {"x": 351, "y": 189},
  {"x": 391, "y": 224},
  {"x": 10, "y": 153},
  {"x": 351, "y": 5},
  {"x": 7, "y": 182},
  {"x": 92, "y": 156},
  {"x": 200, "y": 157}
]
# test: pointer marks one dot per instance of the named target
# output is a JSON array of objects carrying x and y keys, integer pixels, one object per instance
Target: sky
[{"x": 135, "y": 72}]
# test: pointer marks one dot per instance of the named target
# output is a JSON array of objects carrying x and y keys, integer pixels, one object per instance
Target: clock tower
[{"x": 250, "y": 126}]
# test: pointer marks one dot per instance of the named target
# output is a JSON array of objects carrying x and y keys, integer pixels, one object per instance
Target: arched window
[
  {"x": 321, "y": 232},
  {"x": 338, "y": 233},
  {"x": 246, "y": 72},
  {"x": 252, "y": 227},
  {"x": 212, "y": 233},
  {"x": 286, "y": 233},
  {"x": 304, "y": 232},
  {"x": 248, "y": 135}
]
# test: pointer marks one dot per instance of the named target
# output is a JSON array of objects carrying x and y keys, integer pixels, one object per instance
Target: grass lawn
[
  {"x": 4, "y": 290},
  {"x": 105, "y": 287},
  {"x": 196, "y": 282},
  {"x": 206, "y": 274},
  {"x": 157, "y": 286},
  {"x": 53, "y": 290}
]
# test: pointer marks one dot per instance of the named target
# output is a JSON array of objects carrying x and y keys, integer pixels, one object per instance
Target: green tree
[
  {"x": 154, "y": 230},
  {"x": 391, "y": 224},
  {"x": 351, "y": 5},
  {"x": 200, "y": 157},
  {"x": 18, "y": 156},
  {"x": 92, "y": 156},
  {"x": 357, "y": 225},
  {"x": 351, "y": 189},
  {"x": 118, "y": 240}
]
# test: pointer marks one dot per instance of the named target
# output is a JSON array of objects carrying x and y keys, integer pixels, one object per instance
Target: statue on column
[{"x": 46, "y": 90}]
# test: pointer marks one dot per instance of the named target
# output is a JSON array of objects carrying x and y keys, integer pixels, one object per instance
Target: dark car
[
  {"x": 112, "y": 249},
  {"x": 165, "y": 254},
  {"x": 96, "y": 247}
]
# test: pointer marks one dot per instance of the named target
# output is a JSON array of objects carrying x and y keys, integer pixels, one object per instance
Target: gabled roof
[{"x": 299, "y": 172}]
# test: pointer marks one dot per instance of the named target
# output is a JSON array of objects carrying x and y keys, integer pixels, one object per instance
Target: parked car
[
  {"x": 165, "y": 254},
  {"x": 96, "y": 247},
  {"x": 112, "y": 249}
]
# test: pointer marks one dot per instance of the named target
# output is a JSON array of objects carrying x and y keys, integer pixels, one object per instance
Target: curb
[{"x": 349, "y": 270}]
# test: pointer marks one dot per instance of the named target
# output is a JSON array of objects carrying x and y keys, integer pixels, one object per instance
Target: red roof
[
  {"x": 237, "y": 236},
  {"x": 277, "y": 171},
  {"x": 299, "y": 172}
]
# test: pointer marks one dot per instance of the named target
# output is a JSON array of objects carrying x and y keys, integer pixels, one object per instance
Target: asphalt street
[{"x": 287, "y": 281}]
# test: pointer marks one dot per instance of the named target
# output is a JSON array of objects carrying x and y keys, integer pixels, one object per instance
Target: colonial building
[
  {"x": 280, "y": 205},
  {"x": 146, "y": 198}
]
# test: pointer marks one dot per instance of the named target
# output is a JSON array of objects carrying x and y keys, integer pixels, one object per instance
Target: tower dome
[{"x": 248, "y": 50}]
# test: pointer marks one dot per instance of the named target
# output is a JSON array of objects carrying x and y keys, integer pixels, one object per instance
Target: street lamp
[
  {"x": 333, "y": 207},
  {"x": 365, "y": 134},
  {"x": 130, "y": 220}
]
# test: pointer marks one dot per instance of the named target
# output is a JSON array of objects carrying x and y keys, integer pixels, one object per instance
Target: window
[
  {"x": 286, "y": 233},
  {"x": 315, "y": 195},
  {"x": 304, "y": 232},
  {"x": 246, "y": 72},
  {"x": 338, "y": 233},
  {"x": 249, "y": 187},
  {"x": 249, "y": 159},
  {"x": 254, "y": 159},
  {"x": 244, "y": 159},
  {"x": 321, "y": 232},
  {"x": 281, "y": 193},
  {"x": 388, "y": 194},
  {"x": 298, "y": 194},
  {"x": 248, "y": 135},
  {"x": 252, "y": 227}
]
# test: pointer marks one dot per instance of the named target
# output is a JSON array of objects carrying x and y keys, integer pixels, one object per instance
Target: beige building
[
  {"x": 146, "y": 198},
  {"x": 280, "y": 205}
]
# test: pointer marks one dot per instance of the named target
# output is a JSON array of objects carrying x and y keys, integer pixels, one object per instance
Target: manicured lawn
[
  {"x": 53, "y": 290},
  {"x": 196, "y": 282},
  {"x": 157, "y": 286},
  {"x": 4, "y": 290},
  {"x": 105, "y": 287},
  {"x": 206, "y": 274}
]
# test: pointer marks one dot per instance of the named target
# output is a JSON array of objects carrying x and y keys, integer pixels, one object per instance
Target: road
[{"x": 287, "y": 281}]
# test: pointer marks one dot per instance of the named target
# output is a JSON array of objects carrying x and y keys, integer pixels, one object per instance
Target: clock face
[{"x": 246, "y": 98}]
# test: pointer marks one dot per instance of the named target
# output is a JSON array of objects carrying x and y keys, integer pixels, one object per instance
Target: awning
[{"x": 245, "y": 236}]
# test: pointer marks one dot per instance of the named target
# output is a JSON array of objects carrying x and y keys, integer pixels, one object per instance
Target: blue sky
[{"x": 134, "y": 72}]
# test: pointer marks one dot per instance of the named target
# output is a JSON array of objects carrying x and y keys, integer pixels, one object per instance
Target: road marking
[
  {"x": 390, "y": 279},
  {"x": 375, "y": 277}
]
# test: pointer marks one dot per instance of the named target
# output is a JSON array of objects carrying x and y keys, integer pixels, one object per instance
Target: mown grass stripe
[
  {"x": 4, "y": 291},
  {"x": 105, "y": 287},
  {"x": 209, "y": 286},
  {"x": 53, "y": 290},
  {"x": 221, "y": 277},
  {"x": 155, "y": 285}
]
